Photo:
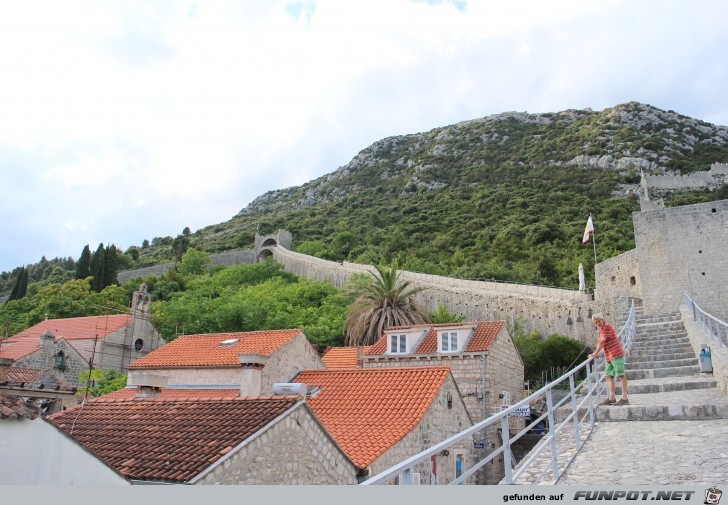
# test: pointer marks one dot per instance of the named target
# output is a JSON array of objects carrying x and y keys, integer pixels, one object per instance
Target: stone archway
[
  {"x": 265, "y": 254},
  {"x": 269, "y": 242}
]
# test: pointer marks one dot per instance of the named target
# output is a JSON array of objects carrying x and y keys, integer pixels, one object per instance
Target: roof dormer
[
  {"x": 403, "y": 340},
  {"x": 453, "y": 339}
]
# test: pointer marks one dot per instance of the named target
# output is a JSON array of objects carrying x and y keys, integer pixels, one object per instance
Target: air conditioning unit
[{"x": 289, "y": 388}]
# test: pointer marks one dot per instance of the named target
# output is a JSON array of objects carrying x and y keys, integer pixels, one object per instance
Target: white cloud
[{"x": 125, "y": 120}]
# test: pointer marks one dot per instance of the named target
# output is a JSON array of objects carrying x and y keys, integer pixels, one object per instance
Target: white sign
[{"x": 519, "y": 412}]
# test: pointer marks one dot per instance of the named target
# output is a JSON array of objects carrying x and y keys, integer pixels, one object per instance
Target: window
[
  {"x": 138, "y": 344},
  {"x": 449, "y": 341},
  {"x": 60, "y": 362},
  {"x": 397, "y": 344}
]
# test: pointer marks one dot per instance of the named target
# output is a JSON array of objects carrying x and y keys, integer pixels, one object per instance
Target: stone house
[
  {"x": 67, "y": 347},
  {"x": 382, "y": 416},
  {"x": 227, "y": 360},
  {"x": 46, "y": 391},
  {"x": 485, "y": 364},
  {"x": 149, "y": 439}
]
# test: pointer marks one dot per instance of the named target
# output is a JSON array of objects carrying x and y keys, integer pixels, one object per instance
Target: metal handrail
[
  {"x": 594, "y": 384},
  {"x": 710, "y": 324}
]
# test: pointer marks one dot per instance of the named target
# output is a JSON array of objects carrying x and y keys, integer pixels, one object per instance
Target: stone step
[
  {"x": 705, "y": 403},
  {"x": 660, "y": 331},
  {"x": 674, "y": 347},
  {"x": 646, "y": 335},
  {"x": 658, "y": 319},
  {"x": 678, "y": 371},
  {"x": 649, "y": 365},
  {"x": 667, "y": 384},
  {"x": 659, "y": 356},
  {"x": 660, "y": 341}
]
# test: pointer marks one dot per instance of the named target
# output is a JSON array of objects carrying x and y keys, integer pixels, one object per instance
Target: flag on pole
[{"x": 588, "y": 230}]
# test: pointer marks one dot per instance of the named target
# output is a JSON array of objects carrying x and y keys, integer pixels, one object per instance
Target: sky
[{"x": 122, "y": 121}]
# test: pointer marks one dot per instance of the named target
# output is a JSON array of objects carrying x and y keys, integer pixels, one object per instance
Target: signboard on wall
[{"x": 519, "y": 412}]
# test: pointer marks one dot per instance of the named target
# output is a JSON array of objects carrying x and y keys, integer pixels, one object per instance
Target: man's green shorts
[{"x": 615, "y": 368}]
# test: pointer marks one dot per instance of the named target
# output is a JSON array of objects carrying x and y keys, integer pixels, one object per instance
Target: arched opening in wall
[
  {"x": 138, "y": 344},
  {"x": 264, "y": 254},
  {"x": 269, "y": 242}
]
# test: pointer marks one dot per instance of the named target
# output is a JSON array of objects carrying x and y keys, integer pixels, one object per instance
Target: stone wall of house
[
  {"x": 439, "y": 423},
  {"x": 44, "y": 358},
  {"x": 295, "y": 355},
  {"x": 545, "y": 310},
  {"x": 682, "y": 250},
  {"x": 504, "y": 372},
  {"x": 295, "y": 450},
  {"x": 214, "y": 376}
]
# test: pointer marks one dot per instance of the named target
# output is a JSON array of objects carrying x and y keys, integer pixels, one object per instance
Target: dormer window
[
  {"x": 449, "y": 341},
  {"x": 229, "y": 342},
  {"x": 397, "y": 344}
]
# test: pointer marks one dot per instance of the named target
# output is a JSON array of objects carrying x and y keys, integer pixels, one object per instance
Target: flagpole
[{"x": 594, "y": 243}]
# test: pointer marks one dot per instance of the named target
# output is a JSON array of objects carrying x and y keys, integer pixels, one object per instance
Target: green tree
[
  {"x": 381, "y": 301},
  {"x": 16, "y": 286},
  {"x": 442, "y": 315},
  {"x": 83, "y": 267},
  {"x": 23, "y": 287},
  {"x": 100, "y": 382},
  {"x": 194, "y": 262},
  {"x": 111, "y": 265},
  {"x": 97, "y": 268}
]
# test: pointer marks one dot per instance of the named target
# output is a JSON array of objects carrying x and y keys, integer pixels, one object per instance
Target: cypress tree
[
  {"x": 83, "y": 267},
  {"x": 97, "y": 269},
  {"x": 23, "y": 287},
  {"x": 111, "y": 266},
  {"x": 16, "y": 286}
]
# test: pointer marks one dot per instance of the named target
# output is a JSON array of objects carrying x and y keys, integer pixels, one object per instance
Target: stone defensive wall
[
  {"x": 683, "y": 250},
  {"x": 228, "y": 258},
  {"x": 617, "y": 278},
  {"x": 545, "y": 310}
]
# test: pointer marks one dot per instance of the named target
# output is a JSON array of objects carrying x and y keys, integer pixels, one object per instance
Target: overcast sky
[{"x": 122, "y": 121}]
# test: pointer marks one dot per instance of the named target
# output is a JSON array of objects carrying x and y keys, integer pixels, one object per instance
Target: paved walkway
[{"x": 653, "y": 452}]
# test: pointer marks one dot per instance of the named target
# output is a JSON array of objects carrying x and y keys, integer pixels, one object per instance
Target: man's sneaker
[
  {"x": 622, "y": 402},
  {"x": 609, "y": 402}
]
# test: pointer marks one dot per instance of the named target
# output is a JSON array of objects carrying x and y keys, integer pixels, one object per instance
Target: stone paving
[{"x": 653, "y": 452}]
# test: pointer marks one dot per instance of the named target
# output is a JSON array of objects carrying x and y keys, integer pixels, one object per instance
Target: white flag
[{"x": 588, "y": 230}]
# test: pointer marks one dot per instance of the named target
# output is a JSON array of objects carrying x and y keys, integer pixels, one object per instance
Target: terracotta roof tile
[
  {"x": 341, "y": 358},
  {"x": 367, "y": 411},
  {"x": 14, "y": 407},
  {"x": 483, "y": 336},
  {"x": 72, "y": 328},
  {"x": 166, "y": 440},
  {"x": 175, "y": 394},
  {"x": 205, "y": 350}
]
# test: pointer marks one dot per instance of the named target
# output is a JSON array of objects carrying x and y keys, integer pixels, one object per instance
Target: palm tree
[{"x": 381, "y": 302}]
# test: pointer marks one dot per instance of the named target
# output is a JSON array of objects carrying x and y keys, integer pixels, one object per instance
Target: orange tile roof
[
  {"x": 205, "y": 350},
  {"x": 175, "y": 394},
  {"x": 166, "y": 440},
  {"x": 72, "y": 328},
  {"x": 341, "y": 358},
  {"x": 483, "y": 336},
  {"x": 367, "y": 411}
]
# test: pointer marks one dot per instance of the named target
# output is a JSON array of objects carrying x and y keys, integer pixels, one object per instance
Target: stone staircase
[{"x": 664, "y": 377}]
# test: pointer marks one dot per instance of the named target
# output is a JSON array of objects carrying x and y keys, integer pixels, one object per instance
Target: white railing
[
  {"x": 714, "y": 327},
  {"x": 559, "y": 446}
]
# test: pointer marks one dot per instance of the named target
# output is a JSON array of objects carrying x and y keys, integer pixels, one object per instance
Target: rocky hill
[{"x": 506, "y": 196}]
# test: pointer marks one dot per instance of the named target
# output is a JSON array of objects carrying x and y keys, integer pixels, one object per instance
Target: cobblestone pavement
[{"x": 653, "y": 452}]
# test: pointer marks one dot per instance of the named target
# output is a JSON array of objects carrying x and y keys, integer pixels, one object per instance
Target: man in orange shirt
[{"x": 614, "y": 354}]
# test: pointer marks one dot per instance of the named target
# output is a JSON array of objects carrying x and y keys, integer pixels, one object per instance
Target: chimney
[
  {"x": 149, "y": 385},
  {"x": 4, "y": 369},
  {"x": 47, "y": 338},
  {"x": 251, "y": 373}
]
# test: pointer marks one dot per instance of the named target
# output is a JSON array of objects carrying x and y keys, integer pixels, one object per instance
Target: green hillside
[{"x": 503, "y": 197}]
